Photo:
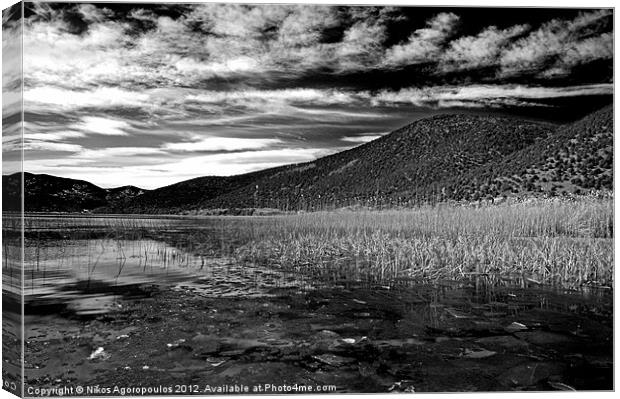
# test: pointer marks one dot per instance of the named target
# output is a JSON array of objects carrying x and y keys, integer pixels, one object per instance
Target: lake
[{"x": 178, "y": 300}]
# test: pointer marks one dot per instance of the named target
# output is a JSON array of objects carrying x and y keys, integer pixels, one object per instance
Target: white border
[{"x": 453, "y": 3}]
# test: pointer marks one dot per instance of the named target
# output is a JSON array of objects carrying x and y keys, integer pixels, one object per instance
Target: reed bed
[
  {"x": 565, "y": 243},
  {"x": 561, "y": 243}
]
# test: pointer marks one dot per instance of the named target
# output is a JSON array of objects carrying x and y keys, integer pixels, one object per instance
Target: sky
[{"x": 153, "y": 94}]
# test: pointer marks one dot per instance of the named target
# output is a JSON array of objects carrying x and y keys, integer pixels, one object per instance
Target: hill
[
  {"x": 443, "y": 158},
  {"x": 46, "y": 193},
  {"x": 404, "y": 167},
  {"x": 447, "y": 157},
  {"x": 575, "y": 159},
  {"x": 186, "y": 195}
]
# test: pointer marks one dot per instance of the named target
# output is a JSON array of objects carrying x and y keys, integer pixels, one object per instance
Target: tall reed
[{"x": 564, "y": 243}]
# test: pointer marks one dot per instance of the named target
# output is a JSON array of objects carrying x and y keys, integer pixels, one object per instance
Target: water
[
  {"x": 88, "y": 275},
  {"x": 168, "y": 302}
]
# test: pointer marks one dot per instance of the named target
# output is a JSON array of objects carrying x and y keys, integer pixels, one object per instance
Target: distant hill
[
  {"x": 447, "y": 157},
  {"x": 186, "y": 195},
  {"x": 46, "y": 193}
]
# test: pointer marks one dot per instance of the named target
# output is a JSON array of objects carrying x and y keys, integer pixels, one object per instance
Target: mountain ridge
[
  {"x": 48, "y": 193},
  {"x": 448, "y": 157}
]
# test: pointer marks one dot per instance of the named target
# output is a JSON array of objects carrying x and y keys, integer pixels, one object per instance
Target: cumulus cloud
[
  {"x": 91, "y": 13},
  {"x": 424, "y": 45},
  {"x": 221, "y": 41},
  {"x": 582, "y": 52},
  {"x": 480, "y": 51},
  {"x": 361, "y": 46},
  {"x": 304, "y": 26},
  {"x": 559, "y": 45},
  {"x": 54, "y": 56}
]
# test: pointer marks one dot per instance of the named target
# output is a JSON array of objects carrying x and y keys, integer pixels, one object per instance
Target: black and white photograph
[{"x": 215, "y": 198}]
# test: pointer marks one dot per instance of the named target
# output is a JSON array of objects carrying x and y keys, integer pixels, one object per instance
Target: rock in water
[
  {"x": 99, "y": 354},
  {"x": 514, "y": 327},
  {"x": 175, "y": 344}
]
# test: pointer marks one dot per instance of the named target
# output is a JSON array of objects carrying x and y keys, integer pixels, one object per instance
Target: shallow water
[
  {"x": 88, "y": 275},
  {"x": 166, "y": 314}
]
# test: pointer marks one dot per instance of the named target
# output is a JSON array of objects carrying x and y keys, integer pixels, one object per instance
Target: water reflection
[{"x": 90, "y": 275}]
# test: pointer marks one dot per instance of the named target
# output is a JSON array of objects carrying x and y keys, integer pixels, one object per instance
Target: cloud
[
  {"x": 360, "y": 139},
  {"x": 105, "y": 126},
  {"x": 100, "y": 160},
  {"x": 238, "y": 20},
  {"x": 304, "y": 26},
  {"x": 340, "y": 114},
  {"x": 361, "y": 46},
  {"x": 216, "y": 144},
  {"x": 11, "y": 103},
  {"x": 52, "y": 136},
  {"x": 559, "y": 45},
  {"x": 55, "y": 56},
  {"x": 11, "y": 64},
  {"x": 174, "y": 100},
  {"x": 91, "y": 13},
  {"x": 297, "y": 95},
  {"x": 232, "y": 40},
  {"x": 480, "y": 51},
  {"x": 582, "y": 52},
  {"x": 37, "y": 145},
  {"x": 485, "y": 95},
  {"x": 424, "y": 45},
  {"x": 56, "y": 98},
  {"x": 114, "y": 153},
  {"x": 261, "y": 43},
  {"x": 234, "y": 65}
]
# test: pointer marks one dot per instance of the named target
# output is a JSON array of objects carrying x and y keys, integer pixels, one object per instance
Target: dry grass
[{"x": 564, "y": 243}]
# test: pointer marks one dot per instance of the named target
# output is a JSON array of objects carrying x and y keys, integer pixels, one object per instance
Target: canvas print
[{"x": 221, "y": 198}]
